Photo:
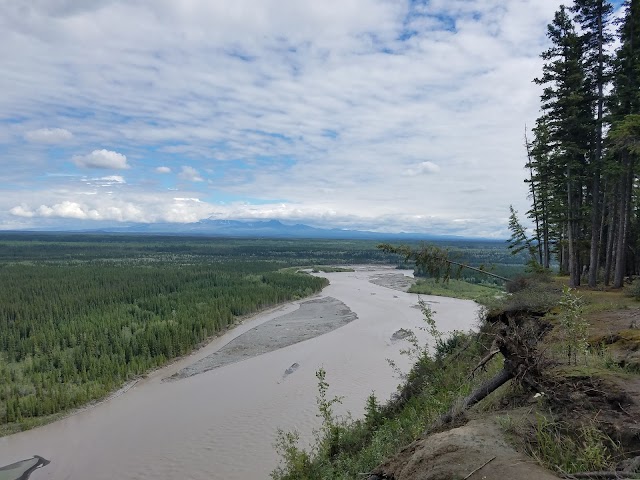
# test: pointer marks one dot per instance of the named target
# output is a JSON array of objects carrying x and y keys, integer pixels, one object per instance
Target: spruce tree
[
  {"x": 568, "y": 119},
  {"x": 593, "y": 17},
  {"x": 625, "y": 106}
]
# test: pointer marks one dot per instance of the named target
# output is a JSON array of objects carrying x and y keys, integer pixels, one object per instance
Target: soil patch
[{"x": 456, "y": 453}]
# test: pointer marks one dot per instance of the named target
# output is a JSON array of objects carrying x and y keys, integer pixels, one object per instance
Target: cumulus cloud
[
  {"x": 424, "y": 168},
  {"x": 48, "y": 135},
  {"x": 163, "y": 170},
  {"x": 106, "y": 159},
  {"x": 82, "y": 211},
  {"x": 190, "y": 174},
  {"x": 21, "y": 211},
  {"x": 68, "y": 209}
]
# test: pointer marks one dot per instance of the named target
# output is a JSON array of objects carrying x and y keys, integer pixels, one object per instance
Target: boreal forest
[{"x": 583, "y": 157}]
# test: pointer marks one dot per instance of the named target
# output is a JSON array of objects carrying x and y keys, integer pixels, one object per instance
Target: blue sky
[{"x": 383, "y": 115}]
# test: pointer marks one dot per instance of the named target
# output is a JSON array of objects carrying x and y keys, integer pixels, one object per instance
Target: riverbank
[{"x": 555, "y": 418}]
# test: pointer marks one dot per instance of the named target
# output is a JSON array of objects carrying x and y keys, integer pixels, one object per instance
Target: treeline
[
  {"x": 59, "y": 247},
  {"x": 72, "y": 333},
  {"x": 583, "y": 158}
]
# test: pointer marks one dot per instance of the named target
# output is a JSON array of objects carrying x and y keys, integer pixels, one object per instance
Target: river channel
[{"x": 210, "y": 416}]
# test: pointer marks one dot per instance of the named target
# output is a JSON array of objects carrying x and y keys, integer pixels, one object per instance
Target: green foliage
[
  {"x": 457, "y": 289},
  {"x": 559, "y": 447},
  {"x": 328, "y": 269},
  {"x": 329, "y": 435},
  {"x": 535, "y": 293},
  {"x": 436, "y": 262},
  {"x": 574, "y": 327},
  {"x": 625, "y": 135},
  {"x": 520, "y": 241},
  {"x": 372, "y": 412},
  {"x": 295, "y": 463},
  {"x": 634, "y": 290}
]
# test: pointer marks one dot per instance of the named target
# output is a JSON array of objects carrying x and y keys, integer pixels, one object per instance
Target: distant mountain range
[{"x": 261, "y": 229}]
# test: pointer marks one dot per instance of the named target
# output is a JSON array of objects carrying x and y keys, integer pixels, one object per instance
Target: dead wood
[{"x": 467, "y": 402}]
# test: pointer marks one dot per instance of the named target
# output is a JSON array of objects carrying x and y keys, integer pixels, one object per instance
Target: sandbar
[{"x": 314, "y": 318}]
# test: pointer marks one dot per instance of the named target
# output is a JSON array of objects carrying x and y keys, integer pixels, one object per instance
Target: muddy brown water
[{"x": 221, "y": 424}]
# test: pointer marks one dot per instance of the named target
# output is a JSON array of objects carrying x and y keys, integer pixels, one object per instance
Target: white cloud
[
  {"x": 190, "y": 174},
  {"x": 163, "y": 170},
  {"x": 423, "y": 168},
  {"x": 102, "y": 159},
  {"x": 21, "y": 211},
  {"x": 67, "y": 209},
  {"x": 113, "y": 179},
  {"x": 48, "y": 135},
  {"x": 187, "y": 199}
]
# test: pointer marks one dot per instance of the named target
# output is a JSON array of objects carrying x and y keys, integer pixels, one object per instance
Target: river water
[{"x": 221, "y": 424}]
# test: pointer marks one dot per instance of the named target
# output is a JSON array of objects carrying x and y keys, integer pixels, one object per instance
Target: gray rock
[
  {"x": 401, "y": 334},
  {"x": 291, "y": 369}
]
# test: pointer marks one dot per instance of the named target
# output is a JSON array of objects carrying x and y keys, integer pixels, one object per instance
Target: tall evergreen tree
[
  {"x": 625, "y": 106},
  {"x": 543, "y": 182},
  {"x": 593, "y": 17},
  {"x": 568, "y": 119}
]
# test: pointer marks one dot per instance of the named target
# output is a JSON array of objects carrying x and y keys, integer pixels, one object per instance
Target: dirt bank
[{"x": 476, "y": 450}]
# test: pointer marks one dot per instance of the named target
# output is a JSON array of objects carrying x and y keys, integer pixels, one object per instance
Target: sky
[{"x": 381, "y": 115}]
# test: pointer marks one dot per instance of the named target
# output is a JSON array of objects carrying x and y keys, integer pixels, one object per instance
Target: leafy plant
[
  {"x": 329, "y": 434},
  {"x": 561, "y": 448},
  {"x": 574, "y": 327}
]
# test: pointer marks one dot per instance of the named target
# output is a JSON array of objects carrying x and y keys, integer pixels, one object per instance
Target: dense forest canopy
[{"x": 583, "y": 157}]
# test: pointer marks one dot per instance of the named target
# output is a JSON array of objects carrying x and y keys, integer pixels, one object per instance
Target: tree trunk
[
  {"x": 594, "y": 250},
  {"x": 564, "y": 257},
  {"x": 536, "y": 213},
  {"x": 574, "y": 271},
  {"x": 545, "y": 234},
  {"x": 603, "y": 221},
  {"x": 474, "y": 397},
  {"x": 611, "y": 234},
  {"x": 594, "y": 253},
  {"x": 623, "y": 226}
]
